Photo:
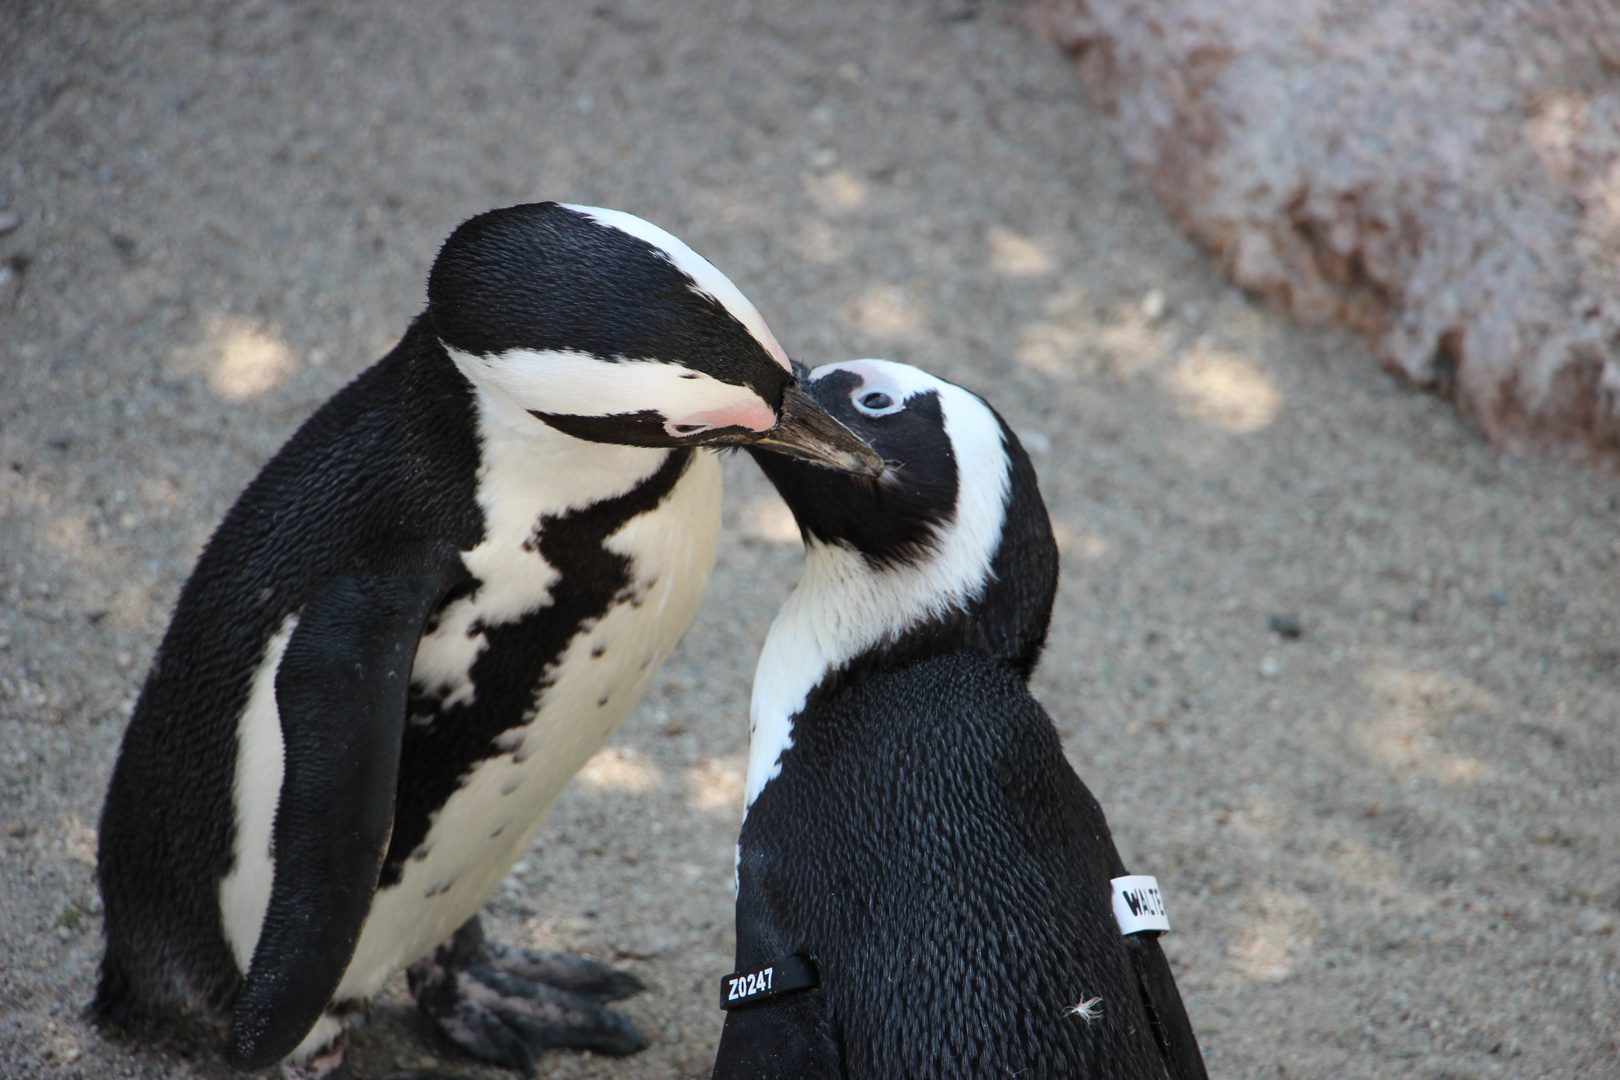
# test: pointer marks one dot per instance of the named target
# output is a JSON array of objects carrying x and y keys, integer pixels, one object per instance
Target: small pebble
[
  {"x": 642, "y": 948},
  {"x": 696, "y": 1065},
  {"x": 1270, "y": 668},
  {"x": 1286, "y": 624},
  {"x": 9, "y": 220},
  {"x": 1591, "y": 921},
  {"x": 1036, "y": 442},
  {"x": 1153, "y": 305}
]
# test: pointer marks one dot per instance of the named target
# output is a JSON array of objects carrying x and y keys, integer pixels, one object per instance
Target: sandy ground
[{"x": 1391, "y": 845}]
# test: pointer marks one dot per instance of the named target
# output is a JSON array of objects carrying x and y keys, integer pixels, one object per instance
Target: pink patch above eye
[{"x": 754, "y": 415}]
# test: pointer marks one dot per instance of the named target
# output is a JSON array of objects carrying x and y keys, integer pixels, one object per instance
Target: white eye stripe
[
  {"x": 879, "y": 379},
  {"x": 579, "y": 384},
  {"x": 899, "y": 381},
  {"x": 706, "y": 278},
  {"x": 844, "y": 606}
]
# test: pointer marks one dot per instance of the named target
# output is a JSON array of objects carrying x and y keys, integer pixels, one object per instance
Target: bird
[
  {"x": 925, "y": 887},
  {"x": 426, "y": 612}
]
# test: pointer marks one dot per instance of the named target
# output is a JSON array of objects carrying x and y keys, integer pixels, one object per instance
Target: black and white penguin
[
  {"x": 925, "y": 887},
  {"x": 429, "y": 609}
]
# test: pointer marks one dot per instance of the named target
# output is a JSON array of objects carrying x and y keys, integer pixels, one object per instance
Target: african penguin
[
  {"x": 429, "y": 609},
  {"x": 924, "y": 884}
]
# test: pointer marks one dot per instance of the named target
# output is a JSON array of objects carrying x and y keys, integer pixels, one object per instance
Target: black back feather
[{"x": 541, "y": 276}]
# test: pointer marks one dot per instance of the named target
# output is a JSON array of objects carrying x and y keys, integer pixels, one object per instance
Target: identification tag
[
  {"x": 1138, "y": 904},
  {"x": 761, "y": 984}
]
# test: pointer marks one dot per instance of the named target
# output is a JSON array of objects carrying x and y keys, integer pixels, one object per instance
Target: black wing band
[{"x": 770, "y": 981}]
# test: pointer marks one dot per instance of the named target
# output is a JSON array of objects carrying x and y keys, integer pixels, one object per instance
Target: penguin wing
[
  {"x": 341, "y": 690},
  {"x": 1172, "y": 1031},
  {"x": 787, "y": 1039},
  {"x": 1171, "y": 1028}
]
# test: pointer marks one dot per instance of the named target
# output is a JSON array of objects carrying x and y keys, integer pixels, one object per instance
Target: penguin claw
[
  {"x": 507, "y": 1020},
  {"x": 506, "y": 1004},
  {"x": 587, "y": 978}
]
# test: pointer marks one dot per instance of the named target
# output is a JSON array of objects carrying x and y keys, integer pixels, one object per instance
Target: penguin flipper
[
  {"x": 1171, "y": 1028},
  {"x": 787, "y": 1039},
  {"x": 341, "y": 690}
]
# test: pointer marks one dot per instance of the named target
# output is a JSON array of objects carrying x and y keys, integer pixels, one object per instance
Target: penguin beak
[{"x": 810, "y": 433}]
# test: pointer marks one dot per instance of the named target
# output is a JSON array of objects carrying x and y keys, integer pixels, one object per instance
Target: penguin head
[
  {"x": 609, "y": 329},
  {"x": 951, "y": 547}
]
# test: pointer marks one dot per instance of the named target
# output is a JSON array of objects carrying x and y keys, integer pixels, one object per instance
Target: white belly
[{"x": 488, "y": 822}]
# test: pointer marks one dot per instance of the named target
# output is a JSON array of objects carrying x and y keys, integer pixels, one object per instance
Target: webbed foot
[{"x": 505, "y": 1004}]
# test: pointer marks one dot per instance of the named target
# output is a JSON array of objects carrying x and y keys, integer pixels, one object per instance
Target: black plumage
[
  {"x": 354, "y": 547},
  {"x": 926, "y": 843},
  {"x": 383, "y": 473}
]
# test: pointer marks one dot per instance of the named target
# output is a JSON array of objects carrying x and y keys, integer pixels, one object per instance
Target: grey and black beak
[{"x": 808, "y": 432}]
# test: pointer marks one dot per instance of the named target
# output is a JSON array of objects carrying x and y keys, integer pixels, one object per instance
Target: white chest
[
  {"x": 583, "y": 698},
  {"x": 592, "y": 685}
]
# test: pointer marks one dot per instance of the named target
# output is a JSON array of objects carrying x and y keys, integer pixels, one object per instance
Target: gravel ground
[{"x": 1344, "y": 678}]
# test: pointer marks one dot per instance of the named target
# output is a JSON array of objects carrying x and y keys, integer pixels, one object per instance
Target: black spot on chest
[{"x": 518, "y": 659}]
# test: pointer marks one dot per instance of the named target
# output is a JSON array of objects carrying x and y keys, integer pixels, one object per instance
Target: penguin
[
  {"x": 925, "y": 887},
  {"x": 430, "y": 608}
]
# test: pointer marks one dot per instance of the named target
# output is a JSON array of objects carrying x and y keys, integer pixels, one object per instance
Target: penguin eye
[{"x": 875, "y": 403}]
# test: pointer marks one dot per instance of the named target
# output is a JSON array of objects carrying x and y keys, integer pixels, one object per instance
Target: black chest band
[{"x": 770, "y": 981}]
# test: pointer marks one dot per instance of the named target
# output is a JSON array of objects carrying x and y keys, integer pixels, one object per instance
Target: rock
[
  {"x": 1037, "y": 443},
  {"x": 696, "y": 1065},
  {"x": 1444, "y": 177},
  {"x": 642, "y": 946},
  {"x": 1153, "y": 305},
  {"x": 1591, "y": 921},
  {"x": 1286, "y": 624}
]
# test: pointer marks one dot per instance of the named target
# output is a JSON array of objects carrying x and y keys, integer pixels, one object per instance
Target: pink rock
[{"x": 1443, "y": 176}]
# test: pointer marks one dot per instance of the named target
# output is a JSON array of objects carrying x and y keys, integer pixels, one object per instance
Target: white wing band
[{"x": 1138, "y": 905}]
